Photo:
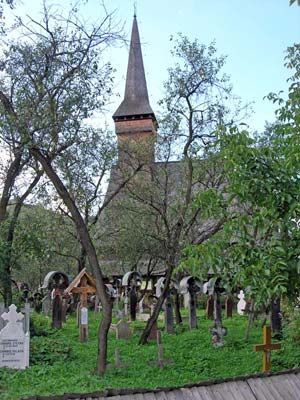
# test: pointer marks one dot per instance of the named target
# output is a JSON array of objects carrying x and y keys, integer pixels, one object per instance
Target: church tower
[{"x": 135, "y": 122}]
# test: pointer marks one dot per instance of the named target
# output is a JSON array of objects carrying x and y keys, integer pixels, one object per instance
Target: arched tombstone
[
  {"x": 55, "y": 283},
  {"x": 217, "y": 330},
  {"x": 192, "y": 286},
  {"x": 131, "y": 281}
]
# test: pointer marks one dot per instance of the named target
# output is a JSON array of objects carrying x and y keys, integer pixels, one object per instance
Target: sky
[{"x": 252, "y": 34}]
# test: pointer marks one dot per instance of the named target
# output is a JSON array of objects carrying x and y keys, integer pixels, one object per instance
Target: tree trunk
[
  {"x": 87, "y": 243},
  {"x": 102, "y": 337},
  {"x": 82, "y": 259},
  {"x": 12, "y": 173},
  {"x": 161, "y": 299}
]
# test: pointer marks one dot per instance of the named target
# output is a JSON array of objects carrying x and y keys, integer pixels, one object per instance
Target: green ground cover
[{"x": 59, "y": 363}]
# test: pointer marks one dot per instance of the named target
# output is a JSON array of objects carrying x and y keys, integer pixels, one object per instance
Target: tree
[
  {"x": 63, "y": 82},
  {"x": 258, "y": 246},
  {"x": 161, "y": 198}
]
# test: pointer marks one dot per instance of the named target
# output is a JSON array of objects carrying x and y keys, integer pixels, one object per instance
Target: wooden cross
[
  {"x": 117, "y": 363},
  {"x": 160, "y": 357},
  {"x": 83, "y": 284},
  {"x": 266, "y": 347}
]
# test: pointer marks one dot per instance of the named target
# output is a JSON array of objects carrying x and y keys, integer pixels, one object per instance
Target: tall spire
[{"x": 136, "y": 101}]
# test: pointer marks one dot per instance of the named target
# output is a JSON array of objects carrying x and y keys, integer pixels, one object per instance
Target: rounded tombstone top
[
  {"x": 160, "y": 282},
  {"x": 129, "y": 276},
  {"x": 55, "y": 278},
  {"x": 190, "y": 282}
]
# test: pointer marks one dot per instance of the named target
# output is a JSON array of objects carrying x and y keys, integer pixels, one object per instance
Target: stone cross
[
  {"x": 266, "y": 347},
  {"x": 160, "y": 356},
  {"x": 14, "y": 343},
  {"x": 117, "y": 363},
  {"x": 241, "y": 306}
]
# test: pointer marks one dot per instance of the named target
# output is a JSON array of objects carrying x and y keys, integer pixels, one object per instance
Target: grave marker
[
  {"x": 266, "y": 347},
  {"x": 14, "y": 343},
  {"x": 241, "y": 306},
  {"x": 160, "y": 356},
  {"x": 123, "y": 329},
  {"x": 83, "y": 284},
  {"x": 117, "y": 363}
]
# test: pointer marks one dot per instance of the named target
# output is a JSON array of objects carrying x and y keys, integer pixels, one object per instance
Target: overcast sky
[{"x": 253, "y": 34}]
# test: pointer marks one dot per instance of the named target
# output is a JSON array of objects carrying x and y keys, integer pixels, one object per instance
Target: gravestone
[
  {"x": 133, "y": 303},
  {"x": 26, "y": 310},
  {"x": 46, "y": 304},
  {"x": 191, "y": 286},
  {"x": 192, "y": 309},
  {"x": 123, "y": 330},
  {"x": 126, "y": 302},
  {"x": 168, "y": 316},
  {"x": 276, "y": 318},
  {"x": 217, "y": 330},
  {"x": 14, "y": 343},
  {"x": 241, "y": 306},
  {"x": 209, "y": 312},
  {"x": 57, "y": 315},
  {"x": 117, "y": 363},
  {"x": 160, "y": 355},
  {"x": 83, "y": 284},
  {"x": 228, "y": 306}
]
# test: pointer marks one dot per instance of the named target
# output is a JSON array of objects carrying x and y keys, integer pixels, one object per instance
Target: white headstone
[
  {"x": 14, "y": 343},
  {"x": 241, "y": 306}
]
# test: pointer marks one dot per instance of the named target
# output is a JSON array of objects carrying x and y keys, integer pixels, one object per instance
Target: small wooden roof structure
[{"x": 74, "y": 286}]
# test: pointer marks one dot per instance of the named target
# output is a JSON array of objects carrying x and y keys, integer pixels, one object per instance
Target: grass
[{"x": 60, "y": 363}]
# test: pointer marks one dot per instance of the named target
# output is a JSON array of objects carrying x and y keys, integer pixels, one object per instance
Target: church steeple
[
  {"x": 135, "y": 121},
  {"x": 136, "y": 100}
]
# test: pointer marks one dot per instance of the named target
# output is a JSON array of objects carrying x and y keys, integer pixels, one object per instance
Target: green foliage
[
  {"x": 39, "y": 325},
  {"x": 60, "y": 363},
  {"x": 40, "y": 346},
  {"x": 258, "y": 245}
]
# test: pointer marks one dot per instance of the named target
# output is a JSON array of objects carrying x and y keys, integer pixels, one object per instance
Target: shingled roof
[
  {"x": 136, "y": 100},
  {"x": 268, "y": 386}
]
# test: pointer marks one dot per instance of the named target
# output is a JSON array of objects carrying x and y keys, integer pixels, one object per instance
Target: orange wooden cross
[{"x": 266, "y": 347}]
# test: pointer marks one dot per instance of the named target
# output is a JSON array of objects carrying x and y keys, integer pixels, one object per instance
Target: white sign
[
  {"x": 84, "y": 316},
  {"x": 14, "y": 343}
]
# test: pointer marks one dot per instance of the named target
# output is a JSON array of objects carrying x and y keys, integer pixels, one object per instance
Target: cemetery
[
  {"x": 157, "y": 260},
  {"x": 52, "y": 352}
]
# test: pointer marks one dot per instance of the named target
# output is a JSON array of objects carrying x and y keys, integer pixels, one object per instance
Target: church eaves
[{"x": 136, "y": 101}]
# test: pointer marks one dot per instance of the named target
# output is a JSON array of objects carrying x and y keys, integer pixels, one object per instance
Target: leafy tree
[
  {"x": 56, "y": 80},
  {"x": 258, "y": 246},
  {"x": 158, "y": 206}
]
